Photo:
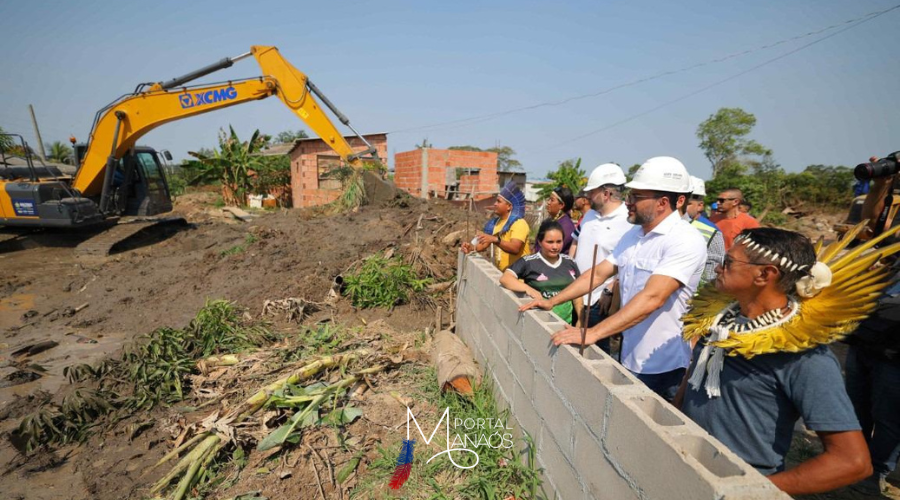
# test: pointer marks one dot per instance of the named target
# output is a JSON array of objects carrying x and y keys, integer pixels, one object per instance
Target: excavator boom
[{"x": 126, "y": 121}]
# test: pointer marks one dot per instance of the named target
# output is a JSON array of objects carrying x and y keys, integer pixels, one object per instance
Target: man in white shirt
[
  {"x": 659, "y": 262},
  {"x": 603, "y": 225}
]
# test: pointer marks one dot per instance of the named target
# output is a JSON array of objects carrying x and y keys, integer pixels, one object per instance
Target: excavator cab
[{"x": 139, "y": 184}]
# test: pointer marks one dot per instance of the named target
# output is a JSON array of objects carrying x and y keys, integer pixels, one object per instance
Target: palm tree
[
  {"x": 234, "y": 163},
  {"x": 60, "y": 152}
]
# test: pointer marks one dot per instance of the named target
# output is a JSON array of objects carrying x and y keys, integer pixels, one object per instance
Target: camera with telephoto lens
[{"x": 885, "y": 167}]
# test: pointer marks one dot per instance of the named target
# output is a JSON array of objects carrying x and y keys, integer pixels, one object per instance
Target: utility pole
[{"x": 37, "y": 132}]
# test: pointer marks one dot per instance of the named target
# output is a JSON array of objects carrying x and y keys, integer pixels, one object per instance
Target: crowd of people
[{"x": 749, "y": 358}]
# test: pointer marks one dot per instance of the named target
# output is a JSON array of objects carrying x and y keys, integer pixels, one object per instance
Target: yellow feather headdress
[{"x": 829, "y": 316}]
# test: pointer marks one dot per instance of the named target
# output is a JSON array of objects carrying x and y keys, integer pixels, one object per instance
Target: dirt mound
[{"x": 383, "y": 193}]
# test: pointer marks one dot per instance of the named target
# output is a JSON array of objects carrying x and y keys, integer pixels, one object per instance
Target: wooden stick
[
  {"x": 584, "y": 322},
  {"x": 316, "y": 470}
]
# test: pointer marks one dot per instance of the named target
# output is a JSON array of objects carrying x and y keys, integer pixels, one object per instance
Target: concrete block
[
  {"x": 525, "y": 413},
  {"x": 469, "y": 328},
  {"x": 565, "y": 479},
  {"x": 506, "y": 308},
  {"x": 536, "y": 341},
  {"x": 601, "y": 478},
  {"x": 616, "y": 377},
  {"x": 547, "y": 485},
  {"x": 555, "y": 412},
  {"x": 498, "y": 334},
  {"x": 500, "y": 370},
  {"x": 479, "y": 306},
  {"x": 503, "y": 400},
  {"x": 477, "y": 278},
  {"x": 583, "y": 389},
  {"x": 636, "y": 430},
  {"x": 492, "y": 272},
  {"x": 521, "y": 365}
]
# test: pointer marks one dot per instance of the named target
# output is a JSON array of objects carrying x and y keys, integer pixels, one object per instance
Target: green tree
[
  {"x": 723, "y": 138},
  {"x": 505, "y": 160},
  {"x": 567, "y": 174},
  {"x": 60, "y": 152},
  {"x": 6, "y": 142},
  {"x": 819, "y": 185},
  {"x": 235, "y": 163},
  {"x": 289, "y": 136},
  {"x": 631, "y": 171}
]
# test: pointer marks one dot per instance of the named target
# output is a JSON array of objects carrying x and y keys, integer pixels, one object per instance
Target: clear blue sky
[{"x": 392, "y": 66}]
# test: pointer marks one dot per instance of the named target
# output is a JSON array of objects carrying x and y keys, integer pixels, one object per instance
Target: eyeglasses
[
  {"x": 631, "y": 198},
  {"x": 729, "y": 260},
  {"x": 723, "y": 200}
]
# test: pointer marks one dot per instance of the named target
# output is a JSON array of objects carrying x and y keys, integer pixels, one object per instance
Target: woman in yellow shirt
[{"x": 507, "y": 231}]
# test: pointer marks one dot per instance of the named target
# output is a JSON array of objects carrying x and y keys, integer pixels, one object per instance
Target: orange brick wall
[
  {"x": 408, "y": 171},
  {"x": 304, "y": 172}
]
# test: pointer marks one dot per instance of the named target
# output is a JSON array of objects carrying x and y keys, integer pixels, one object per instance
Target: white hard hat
[
  {"x": 662, "y": 173},
  {"x": 608, "y": 173},
  {"x": 698, "y": 186}
]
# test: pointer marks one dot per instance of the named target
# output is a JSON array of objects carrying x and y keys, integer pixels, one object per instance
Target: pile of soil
[{"x": 93, "y": 308}]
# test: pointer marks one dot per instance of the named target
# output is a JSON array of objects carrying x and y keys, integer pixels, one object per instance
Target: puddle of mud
[{"x": 19, "y": 302}]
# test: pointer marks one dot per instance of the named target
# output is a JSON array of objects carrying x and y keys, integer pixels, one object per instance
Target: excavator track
[
  {"x": 4, "y": 237},
  {"x": 102, "y": 244}
]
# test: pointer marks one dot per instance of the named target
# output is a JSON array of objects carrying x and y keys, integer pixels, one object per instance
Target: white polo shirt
[
  {"x": 675, "y": 249},
  {"x": 603, "y": 231}
]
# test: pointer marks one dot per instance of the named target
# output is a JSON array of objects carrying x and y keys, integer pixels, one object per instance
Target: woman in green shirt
[{"x": 544, "y": 274}]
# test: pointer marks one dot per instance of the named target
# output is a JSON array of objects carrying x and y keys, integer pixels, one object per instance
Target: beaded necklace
[
  {"x": 728, "y": 317},
  {"x": 712, "y": 358}
]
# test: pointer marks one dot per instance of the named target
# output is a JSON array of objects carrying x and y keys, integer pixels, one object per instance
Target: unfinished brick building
[
  {"x": 312, "y": 160},
  {"x": 429, "y": 173}
]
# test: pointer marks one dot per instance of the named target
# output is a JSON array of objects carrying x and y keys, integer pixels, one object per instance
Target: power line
[
  {"x": 720, "y": 82},
  {"x": 482, "y": 118}
]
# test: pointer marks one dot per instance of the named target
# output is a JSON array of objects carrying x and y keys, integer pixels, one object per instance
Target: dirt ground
[
  {"x": 92, "y": 307},
  {"x": 163, "y": 280}
]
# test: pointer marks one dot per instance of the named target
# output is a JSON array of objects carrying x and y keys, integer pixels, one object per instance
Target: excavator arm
[{"x": 119, "y": 127}]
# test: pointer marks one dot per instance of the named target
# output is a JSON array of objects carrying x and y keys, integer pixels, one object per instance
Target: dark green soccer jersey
[{"x": 548, "y": 279}]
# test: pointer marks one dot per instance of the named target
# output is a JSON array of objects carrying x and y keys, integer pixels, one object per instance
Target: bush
[{"x": 382, "y": 282}]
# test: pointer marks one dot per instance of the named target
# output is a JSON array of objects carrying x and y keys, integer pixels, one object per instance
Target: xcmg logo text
[{"x": 208, "y": 97}]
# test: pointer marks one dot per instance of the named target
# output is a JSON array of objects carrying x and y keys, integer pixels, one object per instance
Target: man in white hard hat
[
  {"x": 659, "y": 262},
  {"x": 715, "y": 243},
  {"x": 603, "y": 225}
]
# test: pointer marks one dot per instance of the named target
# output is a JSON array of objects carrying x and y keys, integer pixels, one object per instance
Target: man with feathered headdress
[
  {"x": 761, "y": 361},
  {"x": 507, "y": 231}
]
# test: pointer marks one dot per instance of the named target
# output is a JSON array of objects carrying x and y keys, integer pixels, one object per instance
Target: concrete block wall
[
  {"x": 408, "y": 171},
  {"x": 599, "y": 432},
  {"x": 305, "y": 191}
]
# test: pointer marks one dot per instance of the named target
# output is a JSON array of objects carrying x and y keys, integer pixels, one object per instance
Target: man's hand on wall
[
  {"x": 572, "y": 335},
  {"x": 544, "y": 304}
]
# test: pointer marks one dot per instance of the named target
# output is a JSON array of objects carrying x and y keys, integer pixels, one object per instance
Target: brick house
[
  {"x": 312, "y": 159},
  {"x": 459, "y": 173}
]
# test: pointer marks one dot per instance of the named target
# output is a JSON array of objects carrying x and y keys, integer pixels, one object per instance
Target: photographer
[{"x": 873, "y": 359}]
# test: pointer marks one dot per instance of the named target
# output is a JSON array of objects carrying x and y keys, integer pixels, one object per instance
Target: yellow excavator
[{"x": 116, "y": 178}]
